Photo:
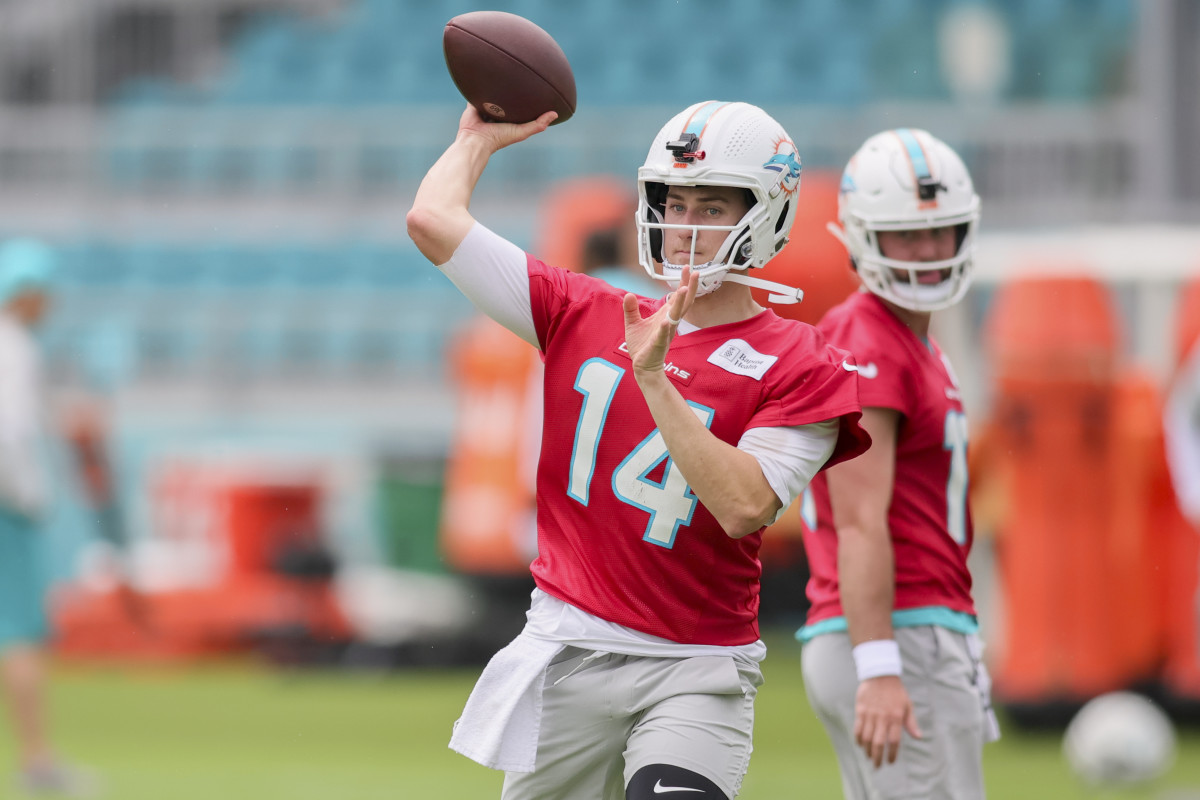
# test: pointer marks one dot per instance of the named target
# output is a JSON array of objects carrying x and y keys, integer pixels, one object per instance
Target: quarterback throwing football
[{"x": 675, "y": 429}]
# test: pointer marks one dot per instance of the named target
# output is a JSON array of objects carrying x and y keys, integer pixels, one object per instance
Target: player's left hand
[{"x": 648, "y": 338}]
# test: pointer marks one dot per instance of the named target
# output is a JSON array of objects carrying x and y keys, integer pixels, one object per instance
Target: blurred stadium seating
[
  {"x": 307, "y": 103},
  {"x": 315, "y": 311}
]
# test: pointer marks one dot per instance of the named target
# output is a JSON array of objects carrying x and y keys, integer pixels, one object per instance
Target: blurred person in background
[
  {"x": 675, "y": 430},
  {"x": 890, "y": 643},
  {"x": 26, "y": 274},
  {"x": 1181, "y": 415},
  {"x": 610, "y": 256}
]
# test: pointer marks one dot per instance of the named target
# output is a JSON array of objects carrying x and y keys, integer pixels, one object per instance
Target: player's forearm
[
  {"x": 728, "y": 481},
  {"x": 866, "y": 580},
  {"x": 440, "y": 216}
]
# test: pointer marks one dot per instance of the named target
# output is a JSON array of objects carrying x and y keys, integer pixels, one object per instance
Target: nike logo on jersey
[
  {"x": 868, "y": 370},
  {"x": 660, "y": 789}
]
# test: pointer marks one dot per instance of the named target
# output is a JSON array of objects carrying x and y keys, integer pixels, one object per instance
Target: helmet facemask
[
  {"x": 900, "y": 282},
  {"x": 733, "y": 254},
  {"x": 716, "y": 144}
]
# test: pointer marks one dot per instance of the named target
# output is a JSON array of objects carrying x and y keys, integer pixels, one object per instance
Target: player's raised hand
[
  {"x": 648, "y": 338},
  {"x": 501, "y": 134},
  {"x": 882, "y": 712}
]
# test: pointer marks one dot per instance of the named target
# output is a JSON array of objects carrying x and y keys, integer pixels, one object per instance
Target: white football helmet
[
  {"x": 906, "y": 179},
  {"x": 722, "y": 144}
]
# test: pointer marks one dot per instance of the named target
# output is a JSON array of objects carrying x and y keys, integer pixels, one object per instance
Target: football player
[
  {"x": 675, "y": 429},
  {"x": 890, "y": 644}
]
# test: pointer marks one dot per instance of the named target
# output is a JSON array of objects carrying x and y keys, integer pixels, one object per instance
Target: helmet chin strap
[{"x": 781, "y": 294}]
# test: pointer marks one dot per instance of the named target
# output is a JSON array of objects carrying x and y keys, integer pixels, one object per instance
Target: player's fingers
[
  {"x": 676, "y": 307},
  {"x": 691, "y": 281},
  {"x": 527, "y": 129},
  {"x": 630, "y": 307},
  {"x": 864, "y": 733},
  {"x": 881, "y": 741},
  {"x": 893, "y": 744},
  {"x": 681, "y": 299},
  {"x": 910, "y": 724},
  {"x": 469, "y": 117},
  {"x": 876, "y": 753}
]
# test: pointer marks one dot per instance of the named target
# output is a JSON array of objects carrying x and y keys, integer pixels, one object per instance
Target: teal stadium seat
[
  {"x": 384, "y": 163},
  {"x": 283, "y": 161},
  {"x": 904, "y": 60},
  {"x": 388, "y": 266},
  {"x": 216, "y": 155},
  {"x": 275, "y": 61},
  {"x": 257, "y": 346},
  {"x": 387, "y": 52},
  {"x": 92, "y": 264},
  {"x": 1066, "y": 50},
  {"x": 135, "y": 157},
  {"x": 316, "y": 268},
  {"x": 161, "y": 268},
  {"x": 153, "y": 92}
]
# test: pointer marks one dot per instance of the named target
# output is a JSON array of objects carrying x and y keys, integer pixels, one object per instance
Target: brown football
[{"x": 508, "y": 67}]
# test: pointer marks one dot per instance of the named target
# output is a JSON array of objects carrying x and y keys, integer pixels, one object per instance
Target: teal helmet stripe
[
  {"x": 702, "y": 116},
  {"x": 915, "y": 154}
]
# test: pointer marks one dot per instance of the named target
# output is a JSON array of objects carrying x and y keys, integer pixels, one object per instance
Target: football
[
  {"x": 1119, "y": 739},
  {"x": 507, "y": 67}
]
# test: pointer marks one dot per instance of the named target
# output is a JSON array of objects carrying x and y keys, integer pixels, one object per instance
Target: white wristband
[{"x": 877, "y": 658}]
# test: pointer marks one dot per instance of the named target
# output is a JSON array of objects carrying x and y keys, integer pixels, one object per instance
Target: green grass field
[{"x": 243, "y": 731}]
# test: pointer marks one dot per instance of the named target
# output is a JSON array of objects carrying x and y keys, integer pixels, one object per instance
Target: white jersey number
[
  {"x": 956, "y": 485},
  {"x": 669, "y": 501},
  {"x": 808, "y": 508},
  {"x": 597, "y": 382},
  {"x": 955, "y": 440}
]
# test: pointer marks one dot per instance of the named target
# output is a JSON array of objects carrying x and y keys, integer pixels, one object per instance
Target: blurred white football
[{"x": 1120, "y": 739}]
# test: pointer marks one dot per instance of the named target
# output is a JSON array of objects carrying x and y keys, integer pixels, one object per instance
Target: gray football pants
[
  {"x": 940, "y": 674},
  {"x": 605, "y": 716}
]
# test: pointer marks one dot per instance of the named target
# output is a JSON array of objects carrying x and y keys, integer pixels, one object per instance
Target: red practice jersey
[
  {"x": 620, "y": 533},
  {"x": 929, "y": 520}
]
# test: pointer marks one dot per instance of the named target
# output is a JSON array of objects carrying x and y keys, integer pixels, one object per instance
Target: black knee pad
[{"x": 666, "y": 782}]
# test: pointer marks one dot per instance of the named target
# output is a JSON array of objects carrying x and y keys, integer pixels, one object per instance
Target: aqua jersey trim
[{"x": 904, "y": 618}]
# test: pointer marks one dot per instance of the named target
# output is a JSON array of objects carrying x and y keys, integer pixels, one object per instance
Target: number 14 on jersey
[{"x": 669, "y": 501}]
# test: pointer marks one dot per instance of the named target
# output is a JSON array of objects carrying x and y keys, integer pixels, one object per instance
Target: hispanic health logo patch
[{"x": 738, "y": 357}]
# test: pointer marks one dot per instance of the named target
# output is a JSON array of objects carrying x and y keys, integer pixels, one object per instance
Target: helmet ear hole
[
  {"x": 742, "y": 248},
  {"x": 960, "y": 235},
  {"x": 656, "y": 195},
  {"x": 656, "y": 203},
  {"x": 783, "y": 215}
]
